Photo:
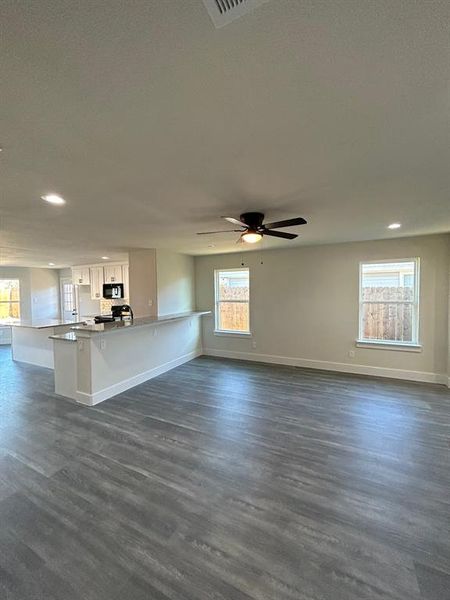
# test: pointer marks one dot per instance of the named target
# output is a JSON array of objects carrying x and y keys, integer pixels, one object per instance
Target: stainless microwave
[{"x": 112, "y": 291}]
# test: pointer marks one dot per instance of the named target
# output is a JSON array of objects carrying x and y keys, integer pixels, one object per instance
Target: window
[
  {"x": 67, "y": 297},
  {"x": 232, "y": 290},
  {"x": 9, "y": 301},
  {"x": 389, "y": 302}
]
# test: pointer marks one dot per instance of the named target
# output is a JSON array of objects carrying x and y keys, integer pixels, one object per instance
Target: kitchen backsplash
[
  {"x": 89, "y": 307},
  {"x": 105, "y": 305}
]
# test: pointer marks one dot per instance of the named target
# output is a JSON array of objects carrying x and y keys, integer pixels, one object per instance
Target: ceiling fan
[{"x": 252, "y": 228}]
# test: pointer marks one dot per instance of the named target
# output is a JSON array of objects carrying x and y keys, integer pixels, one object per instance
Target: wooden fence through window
[{"x": 387, "y": 313}]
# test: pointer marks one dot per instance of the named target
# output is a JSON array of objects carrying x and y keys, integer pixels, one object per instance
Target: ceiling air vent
[{"x": 223, "y": 12}]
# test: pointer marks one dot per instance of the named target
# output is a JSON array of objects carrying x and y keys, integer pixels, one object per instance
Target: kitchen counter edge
[{"x": 87, "y": 331}]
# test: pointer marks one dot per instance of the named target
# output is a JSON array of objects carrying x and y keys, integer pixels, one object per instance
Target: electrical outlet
[
  {"x": 351, "y": 353},
  {"x": 102, "y": 344},
  {"x": 253, "y": 344},
  {"x": 150, "y": 302}
]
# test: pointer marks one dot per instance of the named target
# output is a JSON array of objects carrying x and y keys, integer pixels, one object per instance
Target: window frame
[
  {"x": 414, "y": 344},
  {"x": 4, "y": 323},
  {"x": 230, "y": 332}
]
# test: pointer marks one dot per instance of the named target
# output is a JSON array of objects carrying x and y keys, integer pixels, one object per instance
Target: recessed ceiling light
[
  {"x": 394, "y": 226},
  {"x": 51, "y": 264},
  {"x": 53, "y": 199},
  {"x": 105, "y": 257}
]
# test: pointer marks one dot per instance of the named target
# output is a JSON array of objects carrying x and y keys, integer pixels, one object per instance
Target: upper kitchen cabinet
[
  {"x": 125, "y": 279},
  {"x": 113, "y": 274},
  {"x": 97, "y": 281},
  {"x": 81, "y": 276}
]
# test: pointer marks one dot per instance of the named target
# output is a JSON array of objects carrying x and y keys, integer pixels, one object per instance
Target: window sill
[
  {"x": 380, "y": 345},
  {"x": 245, "y": 334}
]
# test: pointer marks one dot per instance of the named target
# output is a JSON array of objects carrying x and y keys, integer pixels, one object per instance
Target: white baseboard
[
  {"x": 45, "y": 364},
  {"x": 122, "y": 386},
  {"x": 325, "y": 365}
]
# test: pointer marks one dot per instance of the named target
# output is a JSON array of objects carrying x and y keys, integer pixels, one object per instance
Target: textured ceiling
[{"x": 152, "y": 123}]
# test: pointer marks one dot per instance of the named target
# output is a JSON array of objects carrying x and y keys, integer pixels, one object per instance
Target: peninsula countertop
[
  {"x": 87, "y": 330},
  {"x": 46, "y": 323}
]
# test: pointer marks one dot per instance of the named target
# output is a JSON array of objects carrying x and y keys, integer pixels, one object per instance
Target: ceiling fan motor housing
[{"x": 254, "y": 220}]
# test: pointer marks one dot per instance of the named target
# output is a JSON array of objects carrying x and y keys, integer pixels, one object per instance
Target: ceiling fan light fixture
[
  {"x": 251, "y": 237},
  {"x": 53, "y": 199}
]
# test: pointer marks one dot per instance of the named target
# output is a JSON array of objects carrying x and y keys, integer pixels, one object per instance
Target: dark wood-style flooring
[{"x": 225, "y": 480}]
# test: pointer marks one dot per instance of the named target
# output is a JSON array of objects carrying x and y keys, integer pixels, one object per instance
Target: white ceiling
[{"x": 152, "y": 123}]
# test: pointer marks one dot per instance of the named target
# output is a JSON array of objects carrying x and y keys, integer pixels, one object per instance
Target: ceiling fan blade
[
  {"x": 235, "y": 222},
  {"x": 286, "y": 223},
  {"x": 280, "y": 234},
  {"x": 222, "y": 231}
]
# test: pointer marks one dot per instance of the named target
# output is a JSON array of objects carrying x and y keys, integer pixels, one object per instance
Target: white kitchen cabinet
[
  {"x": 125, "y": 279},
  {"x": 80, "y": 275},
  {"x": 97, "y": 281},
  {"x": 113, "y": 273}
]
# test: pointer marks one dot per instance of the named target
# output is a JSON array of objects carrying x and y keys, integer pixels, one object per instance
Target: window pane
[
  {"x": 233, "y": 316},
  {"x": 68, "y": 296},
  {"x": 388, "y": 282},
  {"x": 386, "y": 321},
  {"x": 233, "y": 285},
  {"x": 9, "y": 300}
]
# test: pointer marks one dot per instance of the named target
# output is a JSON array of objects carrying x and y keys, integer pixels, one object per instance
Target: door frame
[{"x": 63, "y": 281}]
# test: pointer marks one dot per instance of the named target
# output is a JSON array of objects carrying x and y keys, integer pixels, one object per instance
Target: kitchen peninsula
[
  {"x": 95, "y": 362},
  {"x": 30, "y": 340}
]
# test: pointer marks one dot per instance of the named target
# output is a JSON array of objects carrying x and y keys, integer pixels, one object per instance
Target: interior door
[{"x": 69, "y": 308}]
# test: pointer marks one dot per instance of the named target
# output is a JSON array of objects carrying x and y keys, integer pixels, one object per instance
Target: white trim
[
  {"x": 5, "y": 335},
  {"x": 5, "y": 322},
  {"x": 223, "y": 332},
  {"x": 325, "y": 365},
  {"x": 386, "y": 345},
  {"x": 122, "y": 386},
  {"x": 75, "y": 310},
  {"x": 414, "y": 303},
  {"x": 217, "y": 301}
]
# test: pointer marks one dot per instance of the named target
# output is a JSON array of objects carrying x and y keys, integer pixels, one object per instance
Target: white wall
[
  {"x": 39, "y": 291},
  {"x": 175, "y": 282},
  {"x": 142, "y": 281},
  {"x": 39, "y": 294},
  {"x": 304, "y": 307},
  {"x": 44, "y": 294},
  {"x": 87, "y": 307},
  {"x": 448, "y": 338}
]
